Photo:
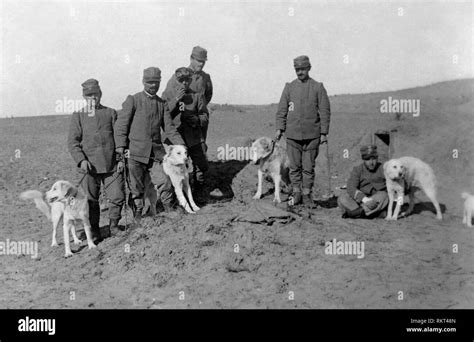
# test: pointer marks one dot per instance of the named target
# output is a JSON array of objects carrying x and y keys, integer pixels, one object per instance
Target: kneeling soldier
[
  {"x": 366, "y": 190},
  {"x": 91, "y": 144}
]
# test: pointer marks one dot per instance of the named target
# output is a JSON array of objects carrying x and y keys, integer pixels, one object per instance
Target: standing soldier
[
  {"x": 91, "y": 144},
  {"x": 138, "y": 129},
  {"x": 189, "y": 109},
  {"x": 303, "y": 115},
  {"x": 200, "y": 81}
]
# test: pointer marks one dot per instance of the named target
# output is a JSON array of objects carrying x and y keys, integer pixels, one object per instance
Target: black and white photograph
[{"x": 229, "y": 155}]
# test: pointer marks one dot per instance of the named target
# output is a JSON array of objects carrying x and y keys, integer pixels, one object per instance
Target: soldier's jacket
[
  {"x": 139, "y": 125},
  {"x": 91, "y": 137},
  {"x": 363, "y": 182},
  {"x": 201, "y": 83},
  {"x": 304, "y": 111},
  {"x": 191, "y": 104}
]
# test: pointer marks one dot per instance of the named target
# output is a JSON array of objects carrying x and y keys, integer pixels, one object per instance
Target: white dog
[
  {"x": 66, "y": 202},
  {"x": 409, "y": 174},
  {"x": 270, "y": 158},
  {"x": 177, "y": 166},
  {"x": 468, "y": 208}
]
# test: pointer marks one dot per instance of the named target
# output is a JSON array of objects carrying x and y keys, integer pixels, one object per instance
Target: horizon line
[{"x": 275, "y": 103}]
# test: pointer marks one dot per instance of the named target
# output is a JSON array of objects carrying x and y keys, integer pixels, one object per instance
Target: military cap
[
  {"x": 301, "y": 62},
  {"x": 199, "y": 53},
  {"x": 182, "y": 73},
  {"x": 90, "y": 87},
  {"x": 368, "y": 151},
  {"x": 152, "y": 74}
]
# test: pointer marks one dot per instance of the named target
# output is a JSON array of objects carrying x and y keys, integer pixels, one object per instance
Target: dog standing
[
  {"x": 468, "y": 208},
  {"x": 66, "y": 202},
  {"x": 271, "y": 158},
  {"x": 409, "y": 174},
  {"x": 177, "y": 166}
]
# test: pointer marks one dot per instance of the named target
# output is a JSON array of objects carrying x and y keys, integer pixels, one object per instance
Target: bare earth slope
[{"x": 212, "y": 260}]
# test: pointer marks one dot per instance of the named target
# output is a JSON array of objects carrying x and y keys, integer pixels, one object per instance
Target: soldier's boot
[
  {"x": 200, "y": 193},
  {"x": 295, "y": 198},
  {"x": 356, "y": 213},
  {"x": 307, "y": 200},
  {"x": 168, "y": 207},
  {"x": 113, "y": 227},
  {"x": 137, "y": 215},
  {"x": 96, "y": 236}
]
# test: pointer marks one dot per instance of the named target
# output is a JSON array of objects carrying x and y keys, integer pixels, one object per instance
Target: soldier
[
  {"x": 303, "y": 115},
  {"x": 91, "y": 144},
  {"x": 188, "y": 109},
  {"x": 366, "y": 193},
  {"x": 201, "y": 82},
  {"x": 138, "y": 129}
]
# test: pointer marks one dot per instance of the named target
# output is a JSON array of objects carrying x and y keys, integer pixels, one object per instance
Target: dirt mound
[{"x": 220, "y": 259}]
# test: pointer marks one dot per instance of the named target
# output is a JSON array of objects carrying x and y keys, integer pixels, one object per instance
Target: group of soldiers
[{"x": 100, "y": 139}]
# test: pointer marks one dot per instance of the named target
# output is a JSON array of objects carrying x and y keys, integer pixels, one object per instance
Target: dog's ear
[
  {"x": 250, "y": 141},
  {"x": 266, "y": 145},
  {"x": 404, "y": 170},
  {"x": 168, "y": 148},
  {"x": 69, "y": 190}
]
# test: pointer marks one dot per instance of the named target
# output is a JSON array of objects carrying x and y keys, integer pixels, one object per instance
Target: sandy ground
[{"x": 191, "y": 261}]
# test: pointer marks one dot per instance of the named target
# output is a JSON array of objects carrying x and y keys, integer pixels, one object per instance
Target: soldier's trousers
[
  {"x": 302, "y": 156},
  {"x": 114, "y": 190},
  {"x": 347, "y": 203},
  {"x": 141, "y": 174},
  {"x": 164, "y": 187},
  {"x": 200, "y": 163}
]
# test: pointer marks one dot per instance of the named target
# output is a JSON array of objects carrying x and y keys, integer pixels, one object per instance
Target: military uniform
[
  {"x": 303, "y": 115},
  {"x": 91, "y": 138},
  {"x": 201, "y": 83},
  {"x": 364, "y": 183},
  {"x": 182, "y": 111},
  {"x": 138, "y": 128}
]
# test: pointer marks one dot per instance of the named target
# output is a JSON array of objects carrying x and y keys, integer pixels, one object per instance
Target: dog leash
[
  {"x": 272, "y": 144},
  {"x": 80, "y": 181}
]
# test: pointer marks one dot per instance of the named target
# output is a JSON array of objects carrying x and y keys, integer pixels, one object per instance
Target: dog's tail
[
  {"x": 465, "y": 195},
  {"x": 37, "y": 196}
]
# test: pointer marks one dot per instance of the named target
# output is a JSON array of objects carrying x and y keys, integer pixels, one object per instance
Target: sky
[{"x": 49, "y": 48}]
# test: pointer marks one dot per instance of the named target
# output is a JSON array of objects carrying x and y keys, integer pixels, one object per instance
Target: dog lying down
[
  {"x": 177, "y": 165},
  {"x": 408, "y": 174},
  {"x": 271, "y": 159},
  {"x": 66, "y": 202},
  {"x": 468, "y": 208}
]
